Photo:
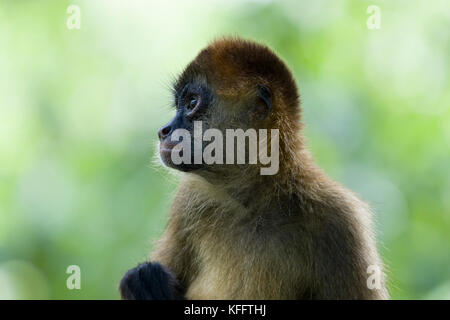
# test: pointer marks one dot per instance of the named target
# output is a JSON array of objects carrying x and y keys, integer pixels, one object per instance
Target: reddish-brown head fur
[{"x": 235, "y": 66}]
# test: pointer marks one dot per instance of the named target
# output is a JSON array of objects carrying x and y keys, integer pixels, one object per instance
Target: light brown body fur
[{"x": 222, "y": 249}]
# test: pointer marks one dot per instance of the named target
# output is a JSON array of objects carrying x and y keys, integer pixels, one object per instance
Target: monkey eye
[{"x": 193, "y": 102}]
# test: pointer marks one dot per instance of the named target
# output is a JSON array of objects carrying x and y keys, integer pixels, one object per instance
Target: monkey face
[
  {"x": 180, "y": 137},
  {"x": 205, "y": 122}
]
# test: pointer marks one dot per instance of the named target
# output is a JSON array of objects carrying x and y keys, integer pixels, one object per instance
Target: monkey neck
[{"x": 295, "y": 178}]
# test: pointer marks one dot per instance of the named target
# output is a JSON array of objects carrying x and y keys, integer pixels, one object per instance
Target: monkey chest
[{"x": 244, "y": 265}]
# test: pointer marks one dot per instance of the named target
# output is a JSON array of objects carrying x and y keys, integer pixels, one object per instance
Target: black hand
[{"x": 150, "y": 281}]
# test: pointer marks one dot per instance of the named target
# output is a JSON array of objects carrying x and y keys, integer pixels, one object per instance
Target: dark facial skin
[{"x": 192, "y": 104}]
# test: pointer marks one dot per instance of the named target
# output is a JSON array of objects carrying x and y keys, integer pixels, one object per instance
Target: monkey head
[{"x": 232, "y": 84}]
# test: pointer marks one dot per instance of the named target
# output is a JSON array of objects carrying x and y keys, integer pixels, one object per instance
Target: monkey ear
[{"x": 265, "y": 95}]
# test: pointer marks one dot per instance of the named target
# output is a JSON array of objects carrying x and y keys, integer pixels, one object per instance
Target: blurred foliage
[{"x": 79, "y": 111}]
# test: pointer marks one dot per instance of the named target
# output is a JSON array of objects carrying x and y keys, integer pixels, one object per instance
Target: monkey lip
[
  {"x": 165, "y": 150},
  {"x": 166, "y": 147}
]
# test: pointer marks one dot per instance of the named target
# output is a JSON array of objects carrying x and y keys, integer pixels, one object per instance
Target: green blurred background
[{"x": 79, "y": 112}]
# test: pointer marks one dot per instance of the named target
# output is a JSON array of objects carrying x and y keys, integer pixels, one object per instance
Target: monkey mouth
[
  {"x": 166, "y": 147},
  {"x": 166, "y": 153},
  {"x": 165, "y": 150}
]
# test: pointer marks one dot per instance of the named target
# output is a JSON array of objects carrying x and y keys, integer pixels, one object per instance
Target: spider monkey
[{"x": 236, "y": 234}]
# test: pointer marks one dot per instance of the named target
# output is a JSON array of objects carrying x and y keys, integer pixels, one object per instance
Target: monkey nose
[{"x": 164, "y": 132}]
